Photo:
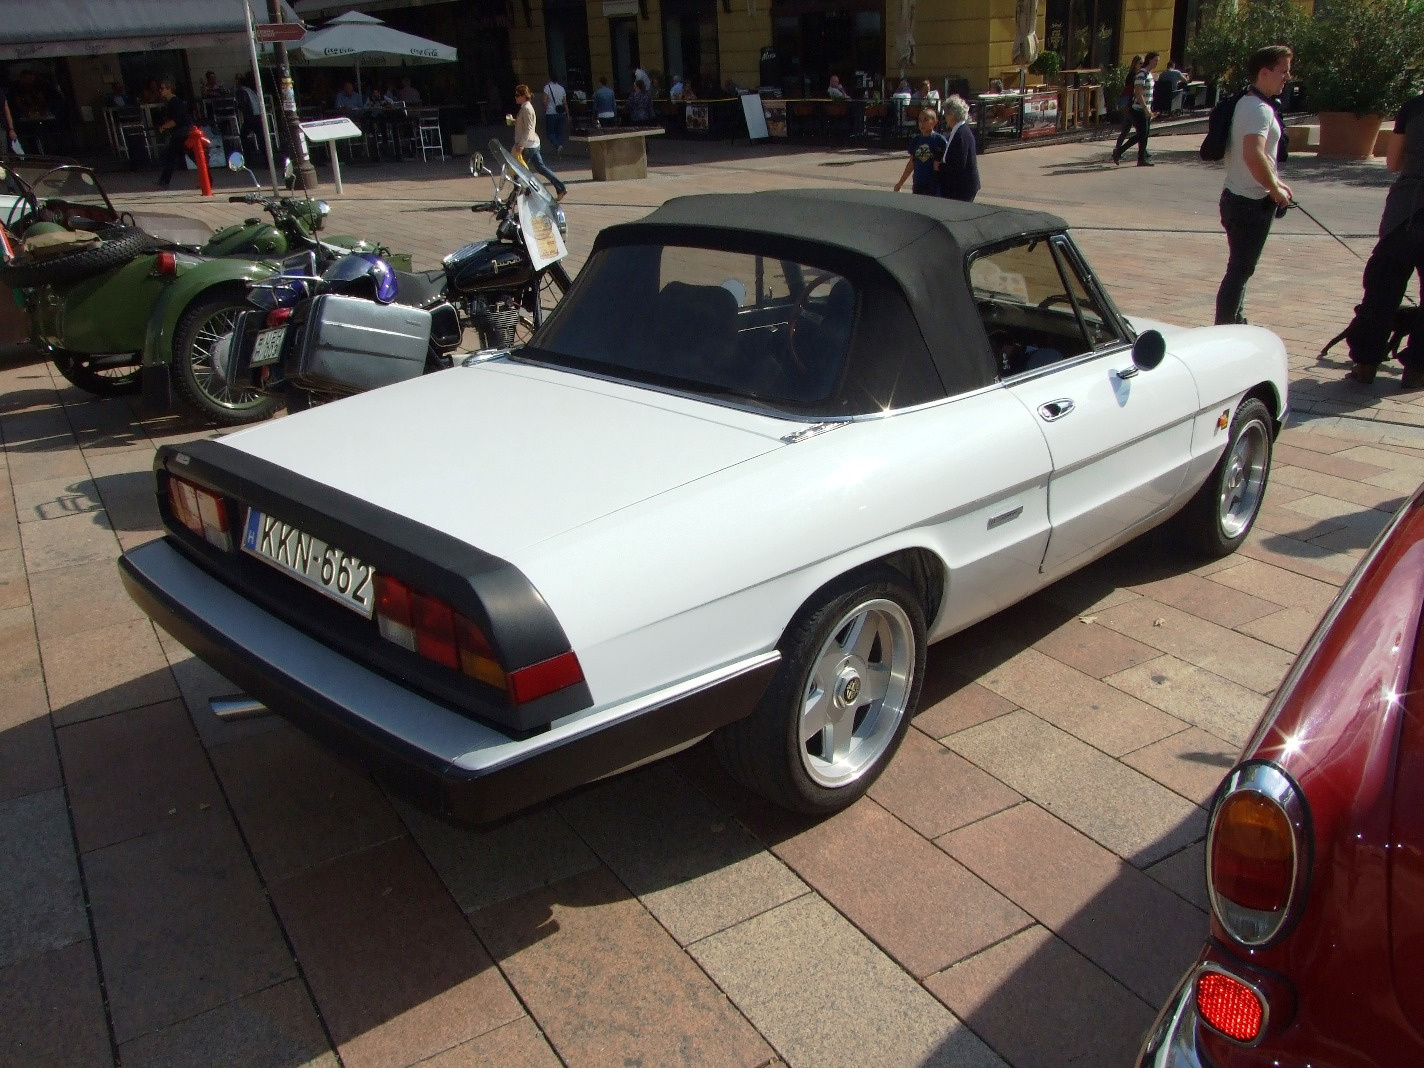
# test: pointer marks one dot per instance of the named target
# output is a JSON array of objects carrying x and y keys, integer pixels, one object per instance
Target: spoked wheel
[
  {"x": 841, "y": 701},
  {"x": 115, "y": 375},
  {"x": 1223, "y": 511},
  {"x": 207, "y": 319},
  {"x": 551, "y": 287}
]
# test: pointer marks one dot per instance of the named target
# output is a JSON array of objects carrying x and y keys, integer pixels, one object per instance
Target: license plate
[
  {"x": 324, "y": 567},
  {"x": 268, "y": 346}
]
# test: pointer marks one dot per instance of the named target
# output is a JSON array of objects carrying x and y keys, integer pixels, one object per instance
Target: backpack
[{"x": 1218, "y": 128}]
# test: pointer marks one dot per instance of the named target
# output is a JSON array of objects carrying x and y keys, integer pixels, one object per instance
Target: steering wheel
[
  {"x": 1055, "y": 298},
  {"x": 798, "y": 311}
]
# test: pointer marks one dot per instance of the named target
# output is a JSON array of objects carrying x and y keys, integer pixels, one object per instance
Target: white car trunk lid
[{"x": 503, "y": 456}]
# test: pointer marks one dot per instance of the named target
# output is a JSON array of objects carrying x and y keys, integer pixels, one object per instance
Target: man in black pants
[
  {"x": 175, "y": 123},
  {"x": 1399, "y": 254},
  {"x": 1253, "y": 191},
  {"x": 1140, "y": 111}
]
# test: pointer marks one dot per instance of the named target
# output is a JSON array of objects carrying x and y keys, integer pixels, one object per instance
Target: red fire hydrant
[{"x": 198, "y": 145}]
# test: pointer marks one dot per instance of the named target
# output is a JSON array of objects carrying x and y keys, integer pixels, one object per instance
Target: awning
[
  {"x": 312, "y": 9},
  {"x": 97, "y": 27}
]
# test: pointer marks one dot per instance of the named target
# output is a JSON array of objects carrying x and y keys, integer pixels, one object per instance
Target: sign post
[{"x": 261, "y": 100}]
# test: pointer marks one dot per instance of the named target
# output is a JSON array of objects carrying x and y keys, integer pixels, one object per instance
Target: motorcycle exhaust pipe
[{"x": 236, "y": 707}]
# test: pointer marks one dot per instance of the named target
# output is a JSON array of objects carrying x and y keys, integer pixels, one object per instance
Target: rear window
[{"x": 773, "y": 332}]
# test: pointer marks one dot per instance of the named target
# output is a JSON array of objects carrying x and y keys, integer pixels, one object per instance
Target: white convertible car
[{"x": 768, "y": 448}]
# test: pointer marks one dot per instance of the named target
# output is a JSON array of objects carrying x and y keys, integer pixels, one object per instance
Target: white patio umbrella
[
  {"x": 905, "y": 37},
  {"x": 1026, "y": 46},
  {"x": 355, "y": 38}
]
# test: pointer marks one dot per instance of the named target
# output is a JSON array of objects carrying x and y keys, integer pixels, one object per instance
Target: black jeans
[
  {"x": 1247, "y": 223},
  {"x": 1141, "y": 126},
  {"x": 1397, "y": 256},
  {"x": 173, "y": 154}
]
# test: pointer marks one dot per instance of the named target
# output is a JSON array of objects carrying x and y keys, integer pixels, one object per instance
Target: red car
[{"x": 1315, "y": 850}]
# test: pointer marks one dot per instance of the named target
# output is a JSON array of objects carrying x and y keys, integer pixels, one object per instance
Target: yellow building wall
[
  {"x": 1147, "y": 27},
  {"x": 741, "y": 35}
]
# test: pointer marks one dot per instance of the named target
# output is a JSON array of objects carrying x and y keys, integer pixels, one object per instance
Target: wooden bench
[{"x": 618, "y": 154}]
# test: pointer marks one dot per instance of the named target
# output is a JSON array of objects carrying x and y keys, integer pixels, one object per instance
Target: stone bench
[{"x": 618, "y": 154}]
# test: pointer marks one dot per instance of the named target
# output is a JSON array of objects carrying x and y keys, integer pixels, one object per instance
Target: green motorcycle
[{"x": 121, "y": 311}]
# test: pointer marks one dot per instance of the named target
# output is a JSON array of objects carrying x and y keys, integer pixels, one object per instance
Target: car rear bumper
[{"x": 446, "y": 762}]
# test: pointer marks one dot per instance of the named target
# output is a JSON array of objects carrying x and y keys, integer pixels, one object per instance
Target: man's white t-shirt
[
  {"x": 554, "y": 98},
  {"x": 1252, "y": 116}
]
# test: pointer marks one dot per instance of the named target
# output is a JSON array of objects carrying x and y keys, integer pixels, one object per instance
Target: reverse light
[
  {"x": 165, "y": 264},
  {"x": 431, "y": 628},
  {"x": 1231, "y": 1006},
  {"x": 1257, "y": 846},
  {"x": 201, "y": 511}
]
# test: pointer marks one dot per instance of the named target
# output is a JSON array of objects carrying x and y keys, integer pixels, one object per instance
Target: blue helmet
[{"x": 362, "y": 274}]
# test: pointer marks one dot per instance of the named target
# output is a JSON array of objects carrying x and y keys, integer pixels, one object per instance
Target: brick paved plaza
[{"x": 1022, "y": 887}]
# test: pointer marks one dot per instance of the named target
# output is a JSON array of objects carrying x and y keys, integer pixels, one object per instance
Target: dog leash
[{"x": 1293, "y": 203}]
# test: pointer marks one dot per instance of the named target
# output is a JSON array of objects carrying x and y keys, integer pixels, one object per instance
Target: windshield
[
  {"x": 72, "y": 184},
  {"x": 508, "y": 169},
  {"x": 773, "y": 332}
]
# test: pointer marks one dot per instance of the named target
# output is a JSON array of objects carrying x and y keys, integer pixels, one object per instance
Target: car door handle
[{"x": 1055, "y": 409}]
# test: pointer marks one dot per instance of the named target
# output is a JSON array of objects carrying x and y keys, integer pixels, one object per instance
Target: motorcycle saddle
[{"x": 419, "y": 288}]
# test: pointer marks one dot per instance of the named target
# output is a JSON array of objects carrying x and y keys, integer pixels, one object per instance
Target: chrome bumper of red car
[
  {"x": 447, "y": 762},
  {"x": 1172, "y": 1042}
]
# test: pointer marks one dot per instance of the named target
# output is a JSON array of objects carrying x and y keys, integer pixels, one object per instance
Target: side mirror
[
  {"x": 1148, "y": 349},
  {"x": 236, "y": 162}
]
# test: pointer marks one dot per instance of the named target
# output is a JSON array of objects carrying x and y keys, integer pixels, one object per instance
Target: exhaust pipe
[{"x": 238, "y": 706}]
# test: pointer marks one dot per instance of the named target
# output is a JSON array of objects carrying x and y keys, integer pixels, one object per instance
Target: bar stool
[
  {"x": 130, "y": 129},
  {"x": 428, "y": 129}
]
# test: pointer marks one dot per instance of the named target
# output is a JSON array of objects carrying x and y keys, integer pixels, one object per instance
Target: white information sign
[
  {"x": 321, "y": 130},
  {"x": 756, "y": 117},
  {"x": 541, "y": 236}
]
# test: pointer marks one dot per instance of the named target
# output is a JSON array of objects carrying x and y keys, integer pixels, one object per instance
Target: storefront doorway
[
  {"x": 690, "y": 44},
  {"x": 814, "y": 42},
  {"x": 1086, "y": 33},
  {"x": 623, "y": 33},
  {"x": 566, "y": 39}
]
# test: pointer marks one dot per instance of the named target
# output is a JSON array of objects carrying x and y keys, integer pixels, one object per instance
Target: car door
[{"x": 1119, "y": 436}]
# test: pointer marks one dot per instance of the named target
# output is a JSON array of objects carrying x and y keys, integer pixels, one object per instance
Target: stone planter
[{"x": 1344, "y": 135}]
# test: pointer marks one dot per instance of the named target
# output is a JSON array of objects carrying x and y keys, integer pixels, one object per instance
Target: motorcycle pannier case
[{"x": 349, "y": 345}]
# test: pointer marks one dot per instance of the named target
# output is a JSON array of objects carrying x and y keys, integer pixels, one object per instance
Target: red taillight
[
  {"x": 1253, "y": 853},
  {"x": 278, "y": 316},
  {"x": 201, "y": 511},
  {"x": 1230, "y": 1006},
  {"x": 166, "y": 264},
  {"x": 546, "y": 677},
  {"x": 434, "y": 624}
]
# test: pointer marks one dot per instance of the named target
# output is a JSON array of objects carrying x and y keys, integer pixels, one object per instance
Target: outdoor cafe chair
[{"x": 431, "y": 139}]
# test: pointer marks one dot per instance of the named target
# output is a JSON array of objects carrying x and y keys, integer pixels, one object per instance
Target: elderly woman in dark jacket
[{"x": 959, "y": 169}]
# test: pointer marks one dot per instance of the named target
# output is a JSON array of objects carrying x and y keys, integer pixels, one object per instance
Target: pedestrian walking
[
  {"x": 1398, "y": 255},
  {"x": 176, "y": 122},
  {"x": 526, "y": 140},
  {"x": 926, "y": 151},
  {"x": 556, "y": 101},
  {"x": 959, "y": 166},
  {"x": 1140, "y": 113},
  {"x": 1253, "y": 192}
]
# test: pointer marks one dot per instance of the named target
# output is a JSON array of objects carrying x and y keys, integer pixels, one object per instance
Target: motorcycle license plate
[
  {"x": 324, "y": 567},
  {"x": 268, "y": 346}
]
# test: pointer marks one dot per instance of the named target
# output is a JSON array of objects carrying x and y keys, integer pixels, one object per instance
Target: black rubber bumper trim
[{"x": 433, "y": 783}]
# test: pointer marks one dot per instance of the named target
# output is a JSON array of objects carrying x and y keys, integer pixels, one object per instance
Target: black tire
[
  {"x": 817, "y": 699},
  {"x": 110, "y": 375},
  {"x": 1220, "y": 515},
  {"x": 550, "y": 288},
  {"x": 122, "y": 245},
  {"x": 204, "y": 321}
]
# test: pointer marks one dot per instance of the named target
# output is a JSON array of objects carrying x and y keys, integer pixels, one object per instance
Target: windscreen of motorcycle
[{"x": 515, "y": 172}]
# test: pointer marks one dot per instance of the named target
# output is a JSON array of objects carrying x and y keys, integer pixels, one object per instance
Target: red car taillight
[
  {"x": 201, "y": 511},
  {"x": 1232, "y": 1007},
  {"x": 165, "y": 264},
  {"x": 430, "y": 627},
  {"x": 1257, "y": 854}
]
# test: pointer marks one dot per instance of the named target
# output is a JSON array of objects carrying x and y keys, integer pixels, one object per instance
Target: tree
[{"x": 1229, "y": 32}]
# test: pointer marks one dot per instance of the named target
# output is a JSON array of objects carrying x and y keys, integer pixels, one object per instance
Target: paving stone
[
  {"x": 14, "y": 588},
  {"x": 1204, "y": 597},
  {"x": 182, "y": 924},
  {"x": 198, "y": 683},
  {"x": 934, "y": 790},
  {"x": 515, "y": 1045},
  {"x": 52, "y": 1010},
  {"x": 823, "y": 995},
  {"x": 1190, "y": 763},
  {"x": 73, "y": 539},
  {"x": 920, "y": 906},
  {"x": 1227, "y": 653},
  {"x": 72, "y": 600},
  {"x": 1093, "y": 650},
  {"x": 55, "y": 498},
  {"x": 1288, "y": 629},
  {"x": 607, "y": 985},
  {"x": 1126, "y": 923},
  {"x": 1038, "y": 1002},
  {"x": 1284, "y": 587},
  {"x": 701, "y": 765},
  {"x": 397, "y": 974},
  {"x": 41, "y": 902},
  {"x": 134, "y": 773},
  {"x": 299, "y": 805},
  {"x": 1216, "y": 705},
  {"x": 1339, "y": 464},
  {"x": 1292, "y": 554},
  {"x": 131, "y": 673},
  {"x": 689, "y": 863},
  {"x": 1116, "y": 806},
  {"x": 1343, "y": 489},
  {"x": 951, "y": 701},
  {"x": 1097, "y": 713},
  {"x": 485, "y": 866},
  {"x": 273, "y": 1028},
  {"x": 28, "y": 762},
  {"x": 45, "y": 458},
  {"x": 1184, "y": 874}
]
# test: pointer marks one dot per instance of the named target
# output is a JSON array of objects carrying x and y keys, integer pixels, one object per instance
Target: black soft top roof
[{"x": 917, "y": 245}]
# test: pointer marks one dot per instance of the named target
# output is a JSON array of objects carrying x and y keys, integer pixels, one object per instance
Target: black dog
[{"x": 1400, "y": 328}]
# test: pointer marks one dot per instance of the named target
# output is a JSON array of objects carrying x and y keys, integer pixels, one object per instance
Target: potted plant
[
  {"x": 1218, "y": 51},
  {"x": 1048, "y": 63},
  {"x": 1360, "y": 61}
]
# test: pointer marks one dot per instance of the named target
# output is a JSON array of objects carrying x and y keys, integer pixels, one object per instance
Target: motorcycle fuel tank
[
  {"x": 251, "y": 238},
  {"x": 487, "y": 265}
]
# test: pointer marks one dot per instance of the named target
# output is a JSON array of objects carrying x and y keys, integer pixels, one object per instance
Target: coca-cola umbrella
[{"x": 356, "y": 38}]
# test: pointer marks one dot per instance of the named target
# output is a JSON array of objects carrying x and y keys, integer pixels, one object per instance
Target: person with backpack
[
  {"x": 1398, "y": 255},
  {"x": 1253, "y": 193},
  {"x": 1139, "y": 113}
]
